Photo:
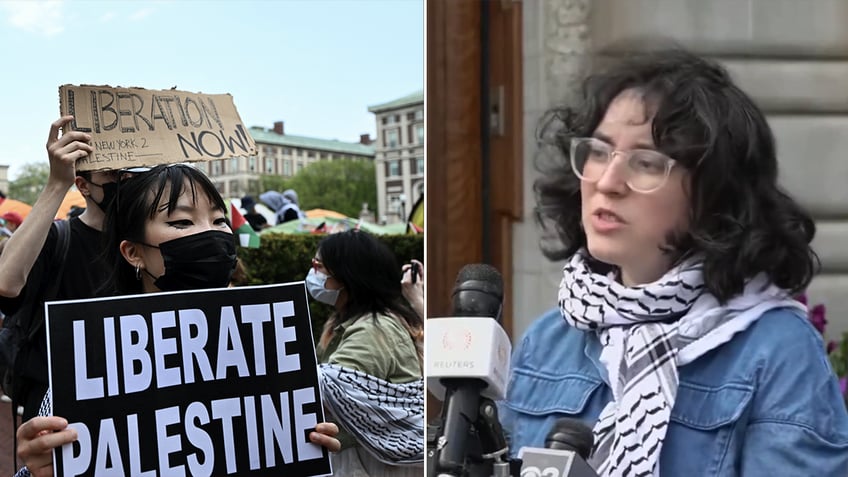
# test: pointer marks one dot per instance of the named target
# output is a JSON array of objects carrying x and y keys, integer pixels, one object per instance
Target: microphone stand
[
  {"x": 449, "y": 444},
  {"x": 493, "y": 442},
  {"x": 493, "y": 458}
]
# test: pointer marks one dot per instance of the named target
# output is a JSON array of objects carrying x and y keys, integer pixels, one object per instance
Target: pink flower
[{"x": 817, "y": 317}]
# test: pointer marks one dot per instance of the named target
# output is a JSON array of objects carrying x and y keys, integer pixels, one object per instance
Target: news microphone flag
[
  {"x": 467, "y": 348},
  {"x": 245, "y": 233}
]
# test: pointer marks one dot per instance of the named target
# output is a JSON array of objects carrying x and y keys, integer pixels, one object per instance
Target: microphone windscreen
[
  {"x": 482, "y": 275},
  {"x": 478, "y": 291},
  {"x": 571, "y": 434}
]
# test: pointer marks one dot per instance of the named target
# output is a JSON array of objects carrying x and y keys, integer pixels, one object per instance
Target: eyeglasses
[
  {"x": 318, "y": 265},
  {"x": 646, "y": 170},
  {"x": 120, "y": 175}
]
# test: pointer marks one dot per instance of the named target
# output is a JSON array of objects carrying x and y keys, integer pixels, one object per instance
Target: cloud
[
  {"x": 42, "y": 17},
  {"x": 139, "y": 15}
]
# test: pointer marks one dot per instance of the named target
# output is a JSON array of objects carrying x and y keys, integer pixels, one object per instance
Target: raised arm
[
  {"x": 413, "y": 291},
  {"x": 20, "y": 251}
]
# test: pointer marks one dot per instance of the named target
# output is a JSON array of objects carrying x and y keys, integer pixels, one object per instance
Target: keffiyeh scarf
[
  {"x": 647, "y": 332},
  {"x": 386, "y": 418}
]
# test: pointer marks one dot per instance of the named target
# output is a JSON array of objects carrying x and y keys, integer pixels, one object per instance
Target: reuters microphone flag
[{"x": 245, "y": 233}]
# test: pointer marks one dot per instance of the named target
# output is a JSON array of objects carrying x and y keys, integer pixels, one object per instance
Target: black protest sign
[{"x": 196, "y": 383}]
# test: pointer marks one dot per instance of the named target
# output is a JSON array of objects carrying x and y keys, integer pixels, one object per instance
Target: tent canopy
[
  {"x": 317, "y": 213},
  {"x": 12, "y": 205},
  {"x": 72, "y": 198},
  {"x": 332, "y": 225}
]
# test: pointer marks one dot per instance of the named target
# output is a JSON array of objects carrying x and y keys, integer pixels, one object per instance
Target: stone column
[{"x": 557, "y": 41}]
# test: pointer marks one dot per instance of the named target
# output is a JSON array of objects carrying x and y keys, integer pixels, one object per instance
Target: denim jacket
[{"x": 766, "y": 403}]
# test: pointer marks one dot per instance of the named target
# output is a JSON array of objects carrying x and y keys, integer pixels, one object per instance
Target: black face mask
[
  {"x": 110, "y": 191},
  {"x": 203, "y": 260}
]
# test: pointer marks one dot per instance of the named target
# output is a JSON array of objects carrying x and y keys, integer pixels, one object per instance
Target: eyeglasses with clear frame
[
  {"x": 646, "y": 170},
  {"x": 318, "y": 265}
]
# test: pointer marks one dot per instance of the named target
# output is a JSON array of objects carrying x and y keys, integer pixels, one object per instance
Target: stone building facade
[
  {"x": 278, "y": 153},
  {"x": 399, "y": 156}
]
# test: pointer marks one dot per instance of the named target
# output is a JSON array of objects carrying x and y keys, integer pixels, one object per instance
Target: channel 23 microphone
[
  {"x": 567, "y": 446},
  {"x": 467, "y": 361}
]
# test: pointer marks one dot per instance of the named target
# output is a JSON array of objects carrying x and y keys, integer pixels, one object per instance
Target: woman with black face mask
[
  {"x": 374, "y": 339},
  {"x": 166, "y": 231},
  {"x": 166, "y": 238}
]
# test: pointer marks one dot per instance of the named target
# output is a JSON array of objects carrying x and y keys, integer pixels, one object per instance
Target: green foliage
[
  {"x": 405, "y": 247},
  {"x": 29, "y": 182},
  {"x": 340, "y": 185},
  {"x": 283, "y": 258},
  {"x": 839, "y": 356},
  {"x": 837, "y": 352},
  {"x": 270, "y": 182}
]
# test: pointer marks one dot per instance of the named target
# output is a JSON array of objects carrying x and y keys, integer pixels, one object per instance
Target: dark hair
[
  {"x": 138, "y": 201},
  {"x": 370, "y": 274},
  {"x": 741, "y": 222}
]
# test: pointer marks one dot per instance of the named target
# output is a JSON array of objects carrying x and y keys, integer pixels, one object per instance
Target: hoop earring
[{"x": 138, "y": 272}]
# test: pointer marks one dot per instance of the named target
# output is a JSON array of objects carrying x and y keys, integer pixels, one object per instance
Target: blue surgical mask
[{"x": 316, "y": 284}]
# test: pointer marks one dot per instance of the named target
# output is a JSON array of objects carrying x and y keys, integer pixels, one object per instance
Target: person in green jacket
[{"x": 374, "y": 330}]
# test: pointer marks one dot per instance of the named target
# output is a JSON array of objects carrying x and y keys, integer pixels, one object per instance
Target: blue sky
[{"x": 315, "y": 64}]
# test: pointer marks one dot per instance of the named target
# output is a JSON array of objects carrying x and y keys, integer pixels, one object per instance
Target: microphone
[
  {"x": 572, "y": 435},
  {"x": 478, "y": 291},
  {"x": 567, "y": 446},
  {"x": 467, "y": 362},
  {"x": 470, "y": 345}
]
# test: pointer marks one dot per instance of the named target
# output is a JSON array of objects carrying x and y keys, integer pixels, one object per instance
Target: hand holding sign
[
  {"x": 36, "y": 440},
  {"x": 64, "y": 151},
  {"x": 325, "y": 436},
  {"x": 38, "y": 437}
]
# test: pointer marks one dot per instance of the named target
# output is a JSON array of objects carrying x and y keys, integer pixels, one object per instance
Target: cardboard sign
[
  {"x": 134, "y": 127},
  {"x": 201, "y": 383}
]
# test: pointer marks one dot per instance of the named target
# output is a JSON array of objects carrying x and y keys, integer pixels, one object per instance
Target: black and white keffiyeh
[
  {"x": 386, "y": 418},
  {"x": 647, "y": 332}
]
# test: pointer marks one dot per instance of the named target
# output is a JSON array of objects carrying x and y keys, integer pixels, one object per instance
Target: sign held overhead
[{"x": 134, "y": 127}]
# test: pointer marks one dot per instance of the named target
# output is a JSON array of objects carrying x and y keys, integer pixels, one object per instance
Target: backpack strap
[{"x": 60, "y": 256}]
